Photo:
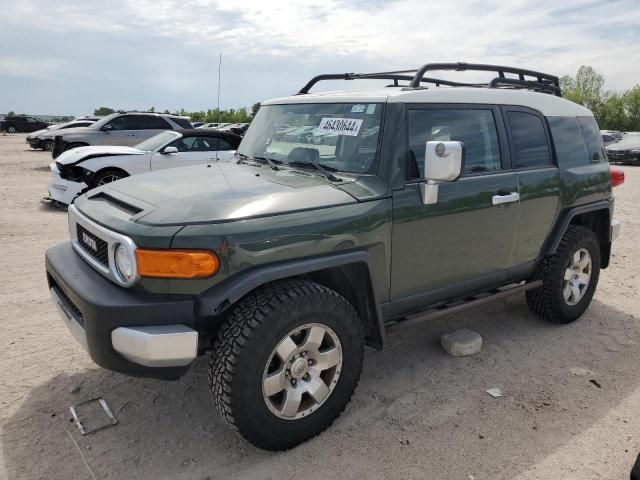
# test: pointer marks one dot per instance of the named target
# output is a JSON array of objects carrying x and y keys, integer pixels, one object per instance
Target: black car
[
  {"x": 626, "y": 150},
  {"x": 21, "y": 123}
]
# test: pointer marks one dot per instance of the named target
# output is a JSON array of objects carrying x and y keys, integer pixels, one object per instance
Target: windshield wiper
[
  {"x": 266, "y": 160},
  {"x": 269, "y": 161},
  {"x": 325, "y": 170}
]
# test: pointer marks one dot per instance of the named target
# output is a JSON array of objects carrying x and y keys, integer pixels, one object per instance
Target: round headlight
[{"x": 124, "y": 262}]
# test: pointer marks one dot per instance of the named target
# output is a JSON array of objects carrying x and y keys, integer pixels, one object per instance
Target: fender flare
[
  {"x": 220, "y": 297},
  {"x": 564, "y": 220}
]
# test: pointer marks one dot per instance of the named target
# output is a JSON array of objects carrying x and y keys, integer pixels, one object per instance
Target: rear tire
[
  {"x": 11, "y": 129},
  {"x": 569, "y": 277},
  {"x": 286, "y": 363}
]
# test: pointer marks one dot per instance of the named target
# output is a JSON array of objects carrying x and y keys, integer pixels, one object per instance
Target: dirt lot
[{"x": 570, "y": 410}]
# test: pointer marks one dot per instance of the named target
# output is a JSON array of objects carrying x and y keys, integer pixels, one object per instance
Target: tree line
[
  {"x": 613, "y": 110},
  {"x": 213, "y": 115}
]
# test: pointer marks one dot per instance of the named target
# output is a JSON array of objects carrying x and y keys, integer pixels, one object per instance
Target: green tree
[
  {"x": 11, "y": 113},
  {"x": 152, "y": 110},
  {"x": 254, "y": 109},
  {"x": 585, "y": 88},
  {"x": 632, "y": 107},
  {"x": 103, "y": 111}
]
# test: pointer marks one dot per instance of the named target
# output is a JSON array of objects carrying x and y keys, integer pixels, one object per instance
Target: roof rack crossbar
[{"x": 537, "y": 86}]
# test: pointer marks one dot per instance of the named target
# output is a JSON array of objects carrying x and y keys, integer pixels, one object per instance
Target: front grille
[
  {"x": 93, "y": 245},
  {"x": 77, "y": 314}
]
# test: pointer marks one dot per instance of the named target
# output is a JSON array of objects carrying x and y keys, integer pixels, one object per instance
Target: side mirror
[
  {"x": 170, "y": 150},
  {"x": 107, "y": 128},
  {"x": 443, "y": 162}
]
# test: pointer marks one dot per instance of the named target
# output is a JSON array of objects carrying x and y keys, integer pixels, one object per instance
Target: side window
[
  {"x": 151, "y": 122},
  {"x": 182, "y": 122},
  {"x": 593, "y": 139},
  {"x": 224, "y": 145},
  {"x": 196, "y": 144},
  {"x": 530, "y": 140},
  {"x": 568, "y": 141},
  {"x": 124, "y": 122},
  {"x": 476, "y": 129}
]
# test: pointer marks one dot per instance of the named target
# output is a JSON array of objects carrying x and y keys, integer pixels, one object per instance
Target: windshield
[
  {"x": 155, "y": 142},
  {"x": 340, "y": 136}
]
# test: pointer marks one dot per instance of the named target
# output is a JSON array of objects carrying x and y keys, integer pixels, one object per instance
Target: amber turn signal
[{"x": 176, "y": 263}]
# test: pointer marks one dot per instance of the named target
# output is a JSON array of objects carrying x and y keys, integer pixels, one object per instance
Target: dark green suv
[{"x": 343, "y": 212}]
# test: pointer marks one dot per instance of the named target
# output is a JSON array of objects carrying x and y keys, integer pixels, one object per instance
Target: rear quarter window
[
  {"x": 569, "y": 142},
  {"x": 593, "y": 139},
  {"x": 183, "y": 123}
]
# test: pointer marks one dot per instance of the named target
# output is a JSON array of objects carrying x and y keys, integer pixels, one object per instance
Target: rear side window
[
  {"x": 476, "y": 129},
  {"x": 530, "y": 140},
  {"x": 150, "y": 122},
  {"x": 183, "y": 123},
  {"x": 125, "y": 122},
  {"x": 568, "y": 140},
  {"x": 593, "y": 139},
  {"x": 224, "y": 145}
]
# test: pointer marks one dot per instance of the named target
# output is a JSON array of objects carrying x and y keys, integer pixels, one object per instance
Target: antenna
[{"x": 219, "y": 69}]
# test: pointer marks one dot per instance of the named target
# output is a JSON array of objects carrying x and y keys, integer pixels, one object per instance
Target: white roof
[{"x": 547, "y": 104}]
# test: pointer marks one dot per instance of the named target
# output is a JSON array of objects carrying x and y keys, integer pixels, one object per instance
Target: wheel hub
[
  {"x": 577, "y": 276},
  {"x": 299, "y": 368}
]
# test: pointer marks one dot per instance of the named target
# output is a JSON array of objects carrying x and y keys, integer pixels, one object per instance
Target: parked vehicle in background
[
  {"x": 609, "y": 139},
  {"x": 43, "y": 139},
  {"x": 215, "y": 125},
  {"x": 626, "y": 150},
  {"x": 126, "y": 129},
  {"x": 197, "y": 124},
  {"x": 614, "y": 133},
  {"x": 287, "y": 262},
  {"x": 83, "y": 168},
  {"x": 21, "y": 124}
]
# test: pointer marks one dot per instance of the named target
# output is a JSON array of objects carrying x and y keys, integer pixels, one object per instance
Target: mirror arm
[{"x": 429, "y": 191}]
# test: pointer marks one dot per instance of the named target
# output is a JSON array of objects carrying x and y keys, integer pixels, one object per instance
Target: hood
[
  {"x": 37, "y": 133},
  {"x": 75, "y": 155},
  {"x": 71, "y": 131},
  {"x": 216, "y": 193}
]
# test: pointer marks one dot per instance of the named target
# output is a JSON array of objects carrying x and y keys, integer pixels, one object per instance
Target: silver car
[{"x": 126, "y": 129}]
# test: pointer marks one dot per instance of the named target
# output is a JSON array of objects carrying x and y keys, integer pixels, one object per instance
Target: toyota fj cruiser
[{"x": 344, "y": 213}]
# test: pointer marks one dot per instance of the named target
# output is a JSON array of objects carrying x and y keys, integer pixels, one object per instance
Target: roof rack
[{"x": 541, "y": 82}]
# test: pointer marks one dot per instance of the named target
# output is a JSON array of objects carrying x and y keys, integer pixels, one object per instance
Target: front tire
[
  {"x": 569, "y": 277},
  {"x": 107, "y": 176},
  {"x": 286, "y": 363},
  {"x": 48, "y": 145}
]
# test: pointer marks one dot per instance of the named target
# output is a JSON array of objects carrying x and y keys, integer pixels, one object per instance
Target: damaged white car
[{"x": 80, "y": 169}]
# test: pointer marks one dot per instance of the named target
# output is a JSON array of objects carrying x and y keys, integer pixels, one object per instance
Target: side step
[{"x": 463, "y": 304}]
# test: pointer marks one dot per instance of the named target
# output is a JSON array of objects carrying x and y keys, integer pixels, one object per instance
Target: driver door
[
  {"x": 464, "y": 241},
  {"x": 194, "y": 150},
  {"x": 123, "y": 131}
]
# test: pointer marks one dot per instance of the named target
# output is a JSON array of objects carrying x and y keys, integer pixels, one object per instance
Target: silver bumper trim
[
  {"x": 615, "y": 229},
  {"x": 156, "y": 346},
  {"x": 69, "y": 319}
]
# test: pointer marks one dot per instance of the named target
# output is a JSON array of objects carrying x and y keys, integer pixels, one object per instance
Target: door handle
[
  {"x": 131, "y": 134},
  {"x": 508, "y": 198}
]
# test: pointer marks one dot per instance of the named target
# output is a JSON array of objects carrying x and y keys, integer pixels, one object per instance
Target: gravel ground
[{"x": 570, "y": 410}]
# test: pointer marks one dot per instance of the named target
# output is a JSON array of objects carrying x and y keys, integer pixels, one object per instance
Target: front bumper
[
  {"x": 123, "y": 330},
  {"x": 63, "y": 191},
  {"x": 35, "y": 143}
]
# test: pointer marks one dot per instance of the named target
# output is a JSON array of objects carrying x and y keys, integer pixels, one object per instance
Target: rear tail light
[{"x": 616, "y": 177}]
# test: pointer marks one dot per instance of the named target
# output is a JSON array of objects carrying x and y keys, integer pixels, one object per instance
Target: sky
[{"x": 71, "y": 56}]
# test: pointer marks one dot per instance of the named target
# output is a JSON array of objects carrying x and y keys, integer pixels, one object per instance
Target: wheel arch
[
  {"x": 594, "y": 216},
  {"x": 346, "y": 273},
  {"x": 109, "y": 168}
]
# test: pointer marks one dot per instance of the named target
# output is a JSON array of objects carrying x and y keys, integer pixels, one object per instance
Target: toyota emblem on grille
[{"x": 89, "y": 242}]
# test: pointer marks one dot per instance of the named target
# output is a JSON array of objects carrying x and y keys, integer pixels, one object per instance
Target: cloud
[{"x": 167, "y": 49}]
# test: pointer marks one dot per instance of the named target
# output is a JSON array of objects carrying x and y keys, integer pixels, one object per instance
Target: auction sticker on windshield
[{"x": 340, "y": 126}]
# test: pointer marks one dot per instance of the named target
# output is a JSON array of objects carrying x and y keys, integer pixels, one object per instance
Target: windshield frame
[
  {"x": 172, "y": 136},
  {"x": 375, "y": 163}
]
